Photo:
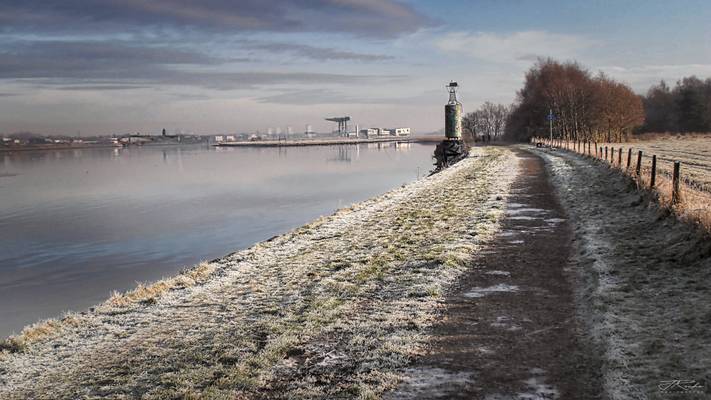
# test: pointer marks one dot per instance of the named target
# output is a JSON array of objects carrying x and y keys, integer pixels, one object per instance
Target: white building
[
  {"x": 370, "y": 132},
  {"x": 219, "y": 139},
  {"x": 230, "y": 138},
  {"x": 400, "y": 131}
]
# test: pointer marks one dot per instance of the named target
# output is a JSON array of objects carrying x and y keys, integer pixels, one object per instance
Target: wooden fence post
[
  {"x": 653, "y": 178},
  {"x": 605, "y": 153},
  {"x": 619, "y": 158},
  {"x": 639, "y": 162},
  {"x": 612, "y": 156},
  {"x": 675, "y": 183},
  {"x": 629, "y": 158}
]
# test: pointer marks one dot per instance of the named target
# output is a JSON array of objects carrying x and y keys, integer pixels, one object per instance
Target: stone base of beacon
[{"x": 449, "y": 152}]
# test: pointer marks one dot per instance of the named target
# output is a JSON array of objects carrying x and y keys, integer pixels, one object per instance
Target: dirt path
[{"x": 510, "y": 331}]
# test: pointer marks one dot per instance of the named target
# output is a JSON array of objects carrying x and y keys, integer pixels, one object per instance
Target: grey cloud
[
  {"x": 93, "y": 59},
  {"x": 378, "y": 18},
  {"x": 101, "y": 87},
  {"x": 319, "y": 96},
  {"x": 115, "y": 65},
  {"x": 315, "y": 53},
  {"x": 156, "y": 77},
  {"x": 529, "y": 57}
]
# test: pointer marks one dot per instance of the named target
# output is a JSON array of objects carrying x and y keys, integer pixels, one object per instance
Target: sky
[{"x": 86, "y": 67}]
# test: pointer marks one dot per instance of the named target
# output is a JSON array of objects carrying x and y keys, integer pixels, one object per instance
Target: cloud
[
  {"x": 110, "y": 65},
  {"x": 314, "y": 53},
  {"x": 91, "y": 59},
  {"x": 377, "y": 18},
  {"x": 643, "y": 76},
  {"x": 327, "y": 96},
  {"x": 101, "y": 88},
  {"x": 523, "y": 46},
  {"x": 317, "y": 96}
]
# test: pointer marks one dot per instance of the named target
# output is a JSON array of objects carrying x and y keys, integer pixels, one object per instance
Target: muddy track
[{"x": 509, "y": 330}]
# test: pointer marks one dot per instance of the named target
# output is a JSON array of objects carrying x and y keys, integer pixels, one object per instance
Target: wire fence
[{"x": 690, "y": 198}]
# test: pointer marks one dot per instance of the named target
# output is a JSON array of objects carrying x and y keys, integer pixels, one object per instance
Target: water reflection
[{"x": 77, "y": 224}]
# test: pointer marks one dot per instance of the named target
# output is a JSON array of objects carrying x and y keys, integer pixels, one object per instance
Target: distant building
[
  {"x": 230, "y": 138},
  {"x": 219, "y": 139},
  {"x": 370, "y": 132},
  {"x": 400, "y": 131}
]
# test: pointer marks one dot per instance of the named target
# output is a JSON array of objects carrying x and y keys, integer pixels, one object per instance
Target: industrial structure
[{"x": 342, "y": 124}]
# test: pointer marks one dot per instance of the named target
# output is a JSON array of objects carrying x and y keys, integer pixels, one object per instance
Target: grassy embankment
[{"x": 332, "y": 309}]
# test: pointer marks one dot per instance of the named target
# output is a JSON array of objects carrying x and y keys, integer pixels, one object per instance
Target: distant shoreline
[
  {"x": 265, "y": 143},
  {"x": 88, "y": 146},
  {"x": 324, "y": 142},
  {"x": 52, "y": 147}
]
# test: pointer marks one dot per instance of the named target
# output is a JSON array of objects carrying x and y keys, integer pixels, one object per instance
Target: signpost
[{"x": 550, "y": 118}]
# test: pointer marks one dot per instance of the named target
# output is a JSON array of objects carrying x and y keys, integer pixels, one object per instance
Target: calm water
[{"x": 77, "y": 224}]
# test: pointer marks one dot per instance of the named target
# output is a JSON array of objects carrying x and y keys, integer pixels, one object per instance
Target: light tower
[
  {"x": 451, "y": 149},
  {"x": 453, "y": 114}
]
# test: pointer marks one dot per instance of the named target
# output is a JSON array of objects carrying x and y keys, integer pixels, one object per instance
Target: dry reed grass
[{"x": 142, "y": 294}]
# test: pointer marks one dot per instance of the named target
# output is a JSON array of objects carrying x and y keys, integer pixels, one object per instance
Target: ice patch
[
  {"x": 537, "y": 389},
  {"x": 481, "y": 292},
  {"x": 527, "y": 210},
  {"x": 430, "y": 383},
  {"x": 504, "y": 322},
  {"x": 554, "y": 221},
  {"x": 496, "y": 272}
]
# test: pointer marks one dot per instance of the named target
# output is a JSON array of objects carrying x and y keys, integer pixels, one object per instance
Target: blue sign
[{"x": 550, "y": 117}]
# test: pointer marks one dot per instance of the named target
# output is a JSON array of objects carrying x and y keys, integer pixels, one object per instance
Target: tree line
[
  {"x": 486, "y": 123},
  {"x": 583, "y": 106},
  {"x": 685, "y": 108},
  {"x": 594, "y": 107}
]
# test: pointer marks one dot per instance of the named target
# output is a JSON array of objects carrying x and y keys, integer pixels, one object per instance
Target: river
[{"x": 77, "y": 224}]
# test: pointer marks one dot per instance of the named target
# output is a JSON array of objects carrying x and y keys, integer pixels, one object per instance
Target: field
[{"x": 694, "y": 153}]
